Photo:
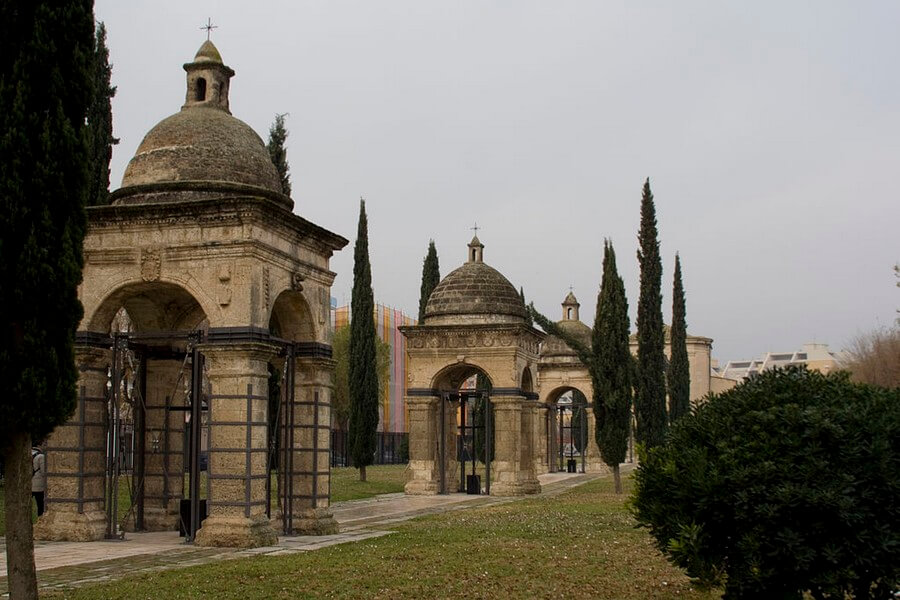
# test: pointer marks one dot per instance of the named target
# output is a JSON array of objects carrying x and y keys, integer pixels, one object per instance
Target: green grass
[{"x": 579, "y": 544}]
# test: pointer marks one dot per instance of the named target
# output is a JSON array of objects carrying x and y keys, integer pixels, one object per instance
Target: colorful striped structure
[{"x": 393, "y": 416}]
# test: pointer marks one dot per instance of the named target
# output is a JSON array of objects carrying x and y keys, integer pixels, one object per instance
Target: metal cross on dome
[
  {"x": 476, "y": 228},
  {"x": 208, "y": 27}
]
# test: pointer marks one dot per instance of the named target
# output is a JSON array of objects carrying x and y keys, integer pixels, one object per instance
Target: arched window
[
  {"x": 201, "y": 89},
  {"x": 569, "y": 313}
]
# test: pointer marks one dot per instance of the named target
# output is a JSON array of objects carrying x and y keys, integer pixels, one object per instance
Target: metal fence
[{"x": 390, "y": 449}]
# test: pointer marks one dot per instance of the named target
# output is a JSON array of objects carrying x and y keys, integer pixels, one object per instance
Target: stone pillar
[
  {"x": 553, "y": 432},
  {"x": 423, "y": 475},
  {"x": 507, "y": 476},
  {"x": 164, "y": 442},
  {"x": 542, "y": 439},
  {"x": 238, "y": 410},
  {"x": 310, "y": 477},
  {"x": 528, "y": 447},
  {"x": 593, "y": 463},
  {"x": 76, "y": 459}
]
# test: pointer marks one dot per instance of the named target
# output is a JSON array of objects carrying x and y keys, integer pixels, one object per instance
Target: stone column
[
  {"x": 423, "y": 475},
  {"x": 528, "y": 447},
  {"x": 553, "y": 432},
  {"x": 238, "y": 410},
  {"x": 507, "y": 476},
  {"x": 164, "y": 442},
  {"x": 593, "y": 463},
  {"x": 76, "y": 459},
  {"x": 310, "y": 477},
  {"x": 542, "y": 441}
]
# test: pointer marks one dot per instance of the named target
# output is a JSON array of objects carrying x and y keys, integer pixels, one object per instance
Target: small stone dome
[
  {"x": 201, "y": 150},
  {"x": 553, "y": 346},
  {"x": 474, "y": 293}
]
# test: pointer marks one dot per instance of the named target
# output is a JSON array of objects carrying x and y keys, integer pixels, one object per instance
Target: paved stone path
[{"x": 68, "y": 564}]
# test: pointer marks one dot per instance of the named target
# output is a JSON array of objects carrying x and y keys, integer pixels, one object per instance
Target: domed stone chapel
[{"x": 226, "y": 290}]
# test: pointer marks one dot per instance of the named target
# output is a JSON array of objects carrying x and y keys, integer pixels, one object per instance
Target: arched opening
[
  {"x": 567, "y": 430},
  {"x": 153, "y": 429},
  {"x": 569, "y": 314},
  {"x": 527, "y": 382},
  {"x": 466, "y": 438},
  {"x": 292, "y": 464},
  {"x": 201, "y": 89}
]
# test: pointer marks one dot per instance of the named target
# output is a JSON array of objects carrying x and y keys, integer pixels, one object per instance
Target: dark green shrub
[{"x": 788, "y": 483}]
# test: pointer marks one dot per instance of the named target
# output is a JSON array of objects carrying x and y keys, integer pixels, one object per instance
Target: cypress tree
[
  {"x": 431, "y": 277},
  {"x": 363, "y": 357},
  {"x": 650, "y": 397},
  {"x": 99, "y": 122},
  {"x": 678, "y": 376},
  {"x": 609, "y": 364},
  {"x": 612, "y": 371},
  {"x": 277, "y": 136},
  {"x": 579, "y": 423},
  {"x": 45, "y": 89}
]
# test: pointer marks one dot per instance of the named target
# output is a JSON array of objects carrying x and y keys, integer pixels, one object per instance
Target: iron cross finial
[
  {"x": 476, "y": 228},
  {"x": 209, "y": 27}
]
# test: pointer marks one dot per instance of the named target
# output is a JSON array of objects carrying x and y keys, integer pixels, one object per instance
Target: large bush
[{"x": 787, "y": 483}]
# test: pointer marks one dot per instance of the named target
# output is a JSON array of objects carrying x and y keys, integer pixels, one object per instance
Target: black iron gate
[
  {"x": 467, "y": 405},
  {"x": 571, "y": 435}
]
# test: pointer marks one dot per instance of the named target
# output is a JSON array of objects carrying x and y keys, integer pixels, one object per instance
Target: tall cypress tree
[
  {"x": 650, "y": 397},
  {"x": 99, "y": 122},
  {"x": 431, "y": 277},
  {"x": 277, "y": 137},
  {"x": 612, "y": 376},
  {"x": 363, "y": 357},
  {"x": 45, "y": 90},
  {"x": 609, "y": 364},
  {"x": 482, "y": 384},
  {"x": 678, "y": 376}
]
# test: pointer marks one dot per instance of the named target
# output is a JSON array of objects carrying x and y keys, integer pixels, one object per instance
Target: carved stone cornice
[
  {"x": 235, "y": 211},
  {"x": 496, "y": 336}
]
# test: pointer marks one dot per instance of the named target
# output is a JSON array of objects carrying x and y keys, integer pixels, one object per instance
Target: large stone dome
[
  {"x": 201, "y": 152},
  {"x": 474, "y": 293},
  {"x": 202, "y": 144}
]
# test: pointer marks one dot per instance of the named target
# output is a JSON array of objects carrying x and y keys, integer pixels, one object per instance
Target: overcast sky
[{"x": 770, "y": 132}]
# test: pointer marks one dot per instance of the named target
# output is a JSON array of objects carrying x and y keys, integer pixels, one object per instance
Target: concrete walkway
[{"x": 66, "y": 564}]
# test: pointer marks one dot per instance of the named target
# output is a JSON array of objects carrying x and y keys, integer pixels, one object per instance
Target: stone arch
[
  {"x": 527, "y": 381},
  {"x": 452, "y": 376},
  {"x": 556, "y": 393},
  {"x": 291, "y": 318},
  {"x": 152, "y": 306}
]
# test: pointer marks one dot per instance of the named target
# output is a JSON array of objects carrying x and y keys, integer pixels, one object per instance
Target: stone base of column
[
  {"x": 422, "y": 488},
  {"x": 516, "y": 488},
  {"x": 160, "y": 519},
  {"x": 419, "y": 480},
  {"x": 71, "y": 526},
  {"x": 236, "y": 532},
  {"x": 312, "y": 521},
  {"x": 596, "y": 466}
]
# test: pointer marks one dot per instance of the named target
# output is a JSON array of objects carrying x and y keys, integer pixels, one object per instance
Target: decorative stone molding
[{"x": 151, "y": 264}]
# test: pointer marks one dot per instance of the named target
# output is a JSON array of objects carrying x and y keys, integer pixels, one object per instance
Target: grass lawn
[
  {"x": 345, "y": 485},
  {"x": 580, "y": 544}
]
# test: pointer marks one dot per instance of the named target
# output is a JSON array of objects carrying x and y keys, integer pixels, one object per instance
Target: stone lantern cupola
[
  {"x": 476, "y": 250},
  {"x": 570, "y": 307},
  {"x": 207, "y": 79}
]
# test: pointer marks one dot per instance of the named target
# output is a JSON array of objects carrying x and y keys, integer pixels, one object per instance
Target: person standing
[{"x": 38, "y": 478}]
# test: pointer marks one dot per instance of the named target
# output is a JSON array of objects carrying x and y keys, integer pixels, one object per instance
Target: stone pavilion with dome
[{"x": 216, "y": 272}]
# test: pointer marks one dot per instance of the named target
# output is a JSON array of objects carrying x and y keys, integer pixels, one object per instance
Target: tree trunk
[
  {"x": 362, "y": 473},
  {"x": 21, "y": 575},
  {"x": 617, "y": 478}
]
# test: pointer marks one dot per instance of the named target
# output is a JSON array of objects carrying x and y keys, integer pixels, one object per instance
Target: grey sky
[{"x": 770, "y": 132}]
